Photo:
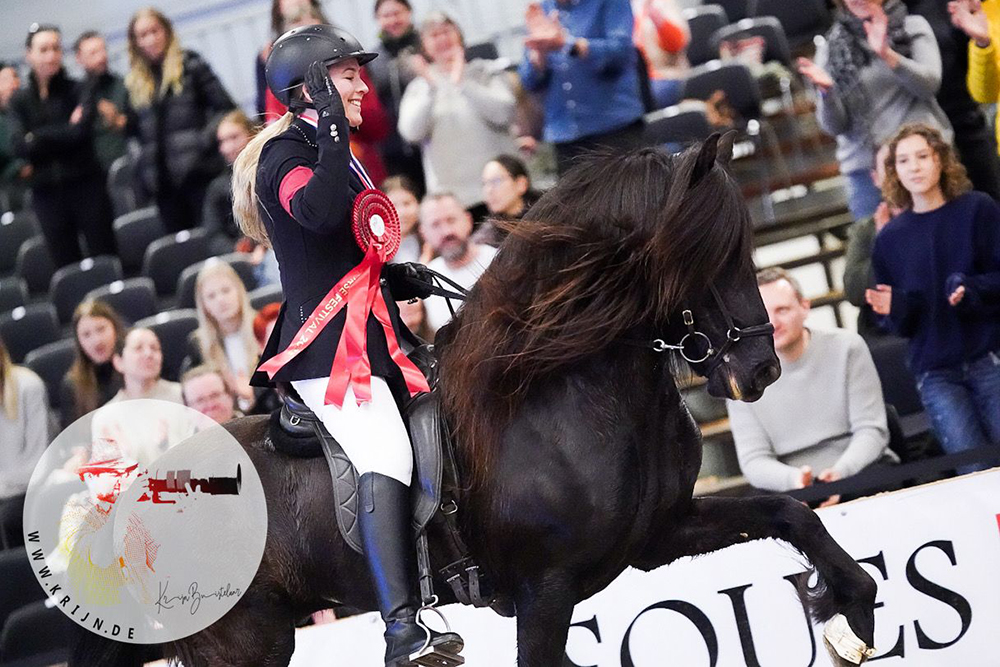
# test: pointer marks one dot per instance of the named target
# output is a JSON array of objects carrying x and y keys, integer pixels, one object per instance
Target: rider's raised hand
[{"x": 325, "y": 96}]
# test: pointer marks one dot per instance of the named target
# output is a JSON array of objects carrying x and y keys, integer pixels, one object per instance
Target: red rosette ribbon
[{"x": 377, "y": 232}]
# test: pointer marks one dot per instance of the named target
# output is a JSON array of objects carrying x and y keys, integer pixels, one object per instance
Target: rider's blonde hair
[{"x": 246, "y": 209}]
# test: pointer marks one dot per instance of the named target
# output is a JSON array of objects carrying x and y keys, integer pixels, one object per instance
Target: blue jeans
[
  {"x": 963, "y": 403},
  {"x": 862, "y": 195}
]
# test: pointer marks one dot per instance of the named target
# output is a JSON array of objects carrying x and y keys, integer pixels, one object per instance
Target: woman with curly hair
[
  {"x": 878, "y": 70},
  {"x": 178, "y": 101},
  {"x": 937, "y": 269}
]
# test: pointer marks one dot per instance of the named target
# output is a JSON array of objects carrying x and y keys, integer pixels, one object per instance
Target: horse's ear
[
  {"x": 705, "y": 160},
  {"x": 725, "y": 149}
]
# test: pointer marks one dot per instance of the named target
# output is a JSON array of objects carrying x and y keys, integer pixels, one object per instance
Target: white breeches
[{"x": 372, "y": 435}]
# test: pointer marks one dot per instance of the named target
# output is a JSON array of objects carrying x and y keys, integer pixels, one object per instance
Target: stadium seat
[
  {"x": 133, "y": 299},
  {"x": 27, "y": 328},
  {"x": 35, "y": 265},
  {"x": 121, "y": 186},
  {"x": 766, "y": 27},
  {"x": 262, "y": 296},
  {"x": 703, "y": 22},
  {"x": 15, "y": 229},
  {"x": 134, "y": 232},
  {"x": 678, "y": 125},
  {"x": 50, "y": 362},
  {"x": 71, "y": 283},
  {"x": 13, "y": 293},
  {"x": 239, "y": 261},
  {"x": 484, "y": 50},
  {"x": 172, "y": 328},
  {"x": 802, "y": 19},
  {"x": 737, "y": 10},
  {"x": 735, "y": 79},
  {"x": 167, "y": 257}
]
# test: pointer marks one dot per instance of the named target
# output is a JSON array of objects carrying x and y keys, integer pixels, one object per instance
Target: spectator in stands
[
  {"x": 112, "y": 98},
  {"x": 24, "y": 435},
  {"x": 14, "y": 171},
  {"x": 447, "y": 228},
  {"x": 460, "y": 113},
  {"x": 580, "y": 58},
  {"x": 391, "y": 73},
  {"x": 878, "y": 70},
  {"x": 285, "y": 15},
  {"x": 53, "y": 118},
  {"x": 92, "y": 379},
  {"x": 178, "y": 101},
  {"x": 825, "y": 418},
  {"x": 205, "y": 390},
  {"x": 234, "y": 132},
  {"x": 508, "y": 195},
  {"x": 661, "y": 34},
  {"x": 937, "y": 269},
  {"x": 139, "y": 359},
  {"x": 403, "y": 194},
  {"x": 224, "y": 338},
  {"x": 976, "y": 147},
  {"x": 858, "y": 258}
]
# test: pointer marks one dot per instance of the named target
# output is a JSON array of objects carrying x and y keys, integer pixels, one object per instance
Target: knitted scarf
[{"x": 850, "y": 53}]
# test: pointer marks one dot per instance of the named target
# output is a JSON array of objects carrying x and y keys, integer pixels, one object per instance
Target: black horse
[{"x": 579, "y": 455}]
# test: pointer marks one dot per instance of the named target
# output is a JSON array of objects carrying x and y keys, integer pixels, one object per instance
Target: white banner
[{"x": 934, "y": 551}]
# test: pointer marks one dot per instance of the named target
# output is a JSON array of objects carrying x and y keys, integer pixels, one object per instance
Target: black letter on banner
[
  {"x": 687, "y": 610},
  {"x": 594, "y": 630},
  {"x": 930, "y": 589},
  {"x": 736, "y": 596},
  {"x": 878, "y": 562}
]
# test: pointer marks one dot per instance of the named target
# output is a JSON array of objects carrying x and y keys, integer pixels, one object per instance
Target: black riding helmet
[{"x": 293, "y": 53}]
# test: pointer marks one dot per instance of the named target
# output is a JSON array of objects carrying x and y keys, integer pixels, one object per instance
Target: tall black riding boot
[{"x": 384, "y": 520}]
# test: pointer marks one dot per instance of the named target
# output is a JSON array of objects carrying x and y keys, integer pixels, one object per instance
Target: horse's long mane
[{"x": 620, "y": 241}]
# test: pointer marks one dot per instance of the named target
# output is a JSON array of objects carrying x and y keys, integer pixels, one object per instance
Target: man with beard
[
  {"x": 447, "y": 227},
  {"x": 112, "y": 105}
]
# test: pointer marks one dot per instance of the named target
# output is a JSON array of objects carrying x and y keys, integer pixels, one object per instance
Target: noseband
[{"x": 711, "y": 356}]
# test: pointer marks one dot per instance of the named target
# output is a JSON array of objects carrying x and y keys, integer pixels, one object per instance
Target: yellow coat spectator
[{"x": 981, "y": 22}]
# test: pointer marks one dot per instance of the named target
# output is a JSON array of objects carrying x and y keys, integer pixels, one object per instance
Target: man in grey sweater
[{"x": 824, "y": 419}]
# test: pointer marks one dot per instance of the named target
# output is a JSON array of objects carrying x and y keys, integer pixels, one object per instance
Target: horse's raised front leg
[
  {"x": 845, "y": 591},
  {"x": 544, "y": 610}
]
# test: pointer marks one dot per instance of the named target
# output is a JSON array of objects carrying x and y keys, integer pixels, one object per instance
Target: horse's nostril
[{"x": 765, "y": 376}]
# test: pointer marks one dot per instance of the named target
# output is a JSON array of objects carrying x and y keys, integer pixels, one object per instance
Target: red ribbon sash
[{"x": 360, "y": 292}]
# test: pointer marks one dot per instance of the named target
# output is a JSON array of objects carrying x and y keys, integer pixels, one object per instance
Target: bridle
[{"x": 712, "y": 356}]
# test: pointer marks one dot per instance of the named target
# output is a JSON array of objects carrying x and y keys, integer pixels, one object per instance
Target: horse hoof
[{"x": 845, "y": 647}]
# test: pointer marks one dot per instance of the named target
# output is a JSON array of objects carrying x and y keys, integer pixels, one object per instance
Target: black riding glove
[{"x": 408, "y": 280}]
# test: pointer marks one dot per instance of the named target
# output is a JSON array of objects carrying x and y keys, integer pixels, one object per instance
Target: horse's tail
[{"x": 91, "y": 650}]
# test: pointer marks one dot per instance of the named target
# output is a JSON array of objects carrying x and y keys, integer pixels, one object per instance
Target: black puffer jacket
[
  {"x": 177, "y": 132},
  {"x": 59, "y": 152}
]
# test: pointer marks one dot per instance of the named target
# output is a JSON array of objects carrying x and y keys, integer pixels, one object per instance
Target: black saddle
[{"x": 296, "y": 431}]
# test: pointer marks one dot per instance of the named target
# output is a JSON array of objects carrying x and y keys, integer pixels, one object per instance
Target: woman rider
[{"x": 295, "y": 187}]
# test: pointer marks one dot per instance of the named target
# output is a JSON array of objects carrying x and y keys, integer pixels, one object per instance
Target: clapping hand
[
  {"x": 969, "y": 17},
  {"x": 545, "y": 33},
  {"x": 818, "y": 76},
  {"x": 880, "y": 299},
  {"x": 877, "y": 31},
  {"x": 829, "y": 476}
]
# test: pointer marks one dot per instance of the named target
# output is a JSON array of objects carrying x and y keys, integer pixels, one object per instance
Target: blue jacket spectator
[{"x": 579, "y": 56}]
